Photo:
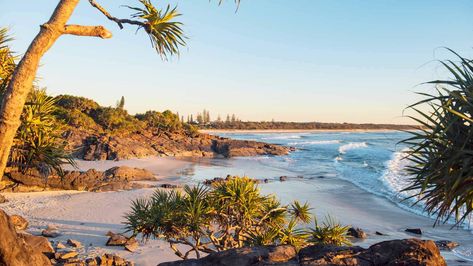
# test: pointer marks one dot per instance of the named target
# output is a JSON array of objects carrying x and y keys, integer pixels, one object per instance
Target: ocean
[{"x": 372, "y": 161}]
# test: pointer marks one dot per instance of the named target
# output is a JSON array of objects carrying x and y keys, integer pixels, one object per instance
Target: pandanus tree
[
  {"x": 165, "y": 33},
  {"x": 441, "y": 152},
  {"x": 231, "y": 213}
]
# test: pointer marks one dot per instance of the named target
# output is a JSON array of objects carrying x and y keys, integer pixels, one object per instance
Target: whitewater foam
[
  {"x": 351, "y": 146},
  {"x": 315, "y": 142}
]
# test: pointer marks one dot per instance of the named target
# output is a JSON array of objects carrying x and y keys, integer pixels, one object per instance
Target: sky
[{"x": 302, "y": 60}]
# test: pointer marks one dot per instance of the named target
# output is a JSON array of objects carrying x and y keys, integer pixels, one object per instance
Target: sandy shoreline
[
  {"x": 87, "y": 216},
  {"x": 217, "y": 131}
]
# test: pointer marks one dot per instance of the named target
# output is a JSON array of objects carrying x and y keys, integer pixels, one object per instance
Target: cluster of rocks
[
  {"x": 20, "y": 248},
  {"x": 395, "y": 252},
  {"x": 116, "y": 178},
  {"x": 91, "y": 146}
]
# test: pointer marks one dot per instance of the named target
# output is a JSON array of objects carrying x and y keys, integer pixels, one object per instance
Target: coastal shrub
[
  {"x": 7, "y": 60},
  {"x": 231, "y": 213},
  {"x": 76, "y": 103},
  {"x": 441, "y": 152},
  {"x": 166, "y": 121},
  {"x": 115, "y": 120},
  {"x": 38, "y": 144},
  {"x": 330, "y": 232}
]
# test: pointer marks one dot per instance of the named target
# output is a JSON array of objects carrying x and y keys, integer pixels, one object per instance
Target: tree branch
[
  {"x": 93, "y": 31},
  {"x": 119, "y": 21}
]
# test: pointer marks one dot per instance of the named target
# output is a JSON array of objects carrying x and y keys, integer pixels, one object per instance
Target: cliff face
[{"x": 91, "y": 146}]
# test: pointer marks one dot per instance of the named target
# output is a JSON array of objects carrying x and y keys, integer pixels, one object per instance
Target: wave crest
[{"x": 351, "y": 146}]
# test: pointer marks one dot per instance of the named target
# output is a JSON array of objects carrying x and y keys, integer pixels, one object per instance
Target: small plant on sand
[
  {"x": 441, "y": 152},
  {"x": 330, "y": 232},
  {"x": 229, "y": 214}
]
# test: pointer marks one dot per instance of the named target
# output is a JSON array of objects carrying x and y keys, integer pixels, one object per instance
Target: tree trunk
[{"x": 22, "y": 80}]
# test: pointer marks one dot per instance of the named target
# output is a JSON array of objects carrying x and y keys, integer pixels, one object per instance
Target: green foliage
[
  {"x": 37, "y": 143},
  {"x": 7, "y": 60},
  {"x": 165, "y": 34},
  {"x": 330, "y": 232},
  {"x": 77, "y": 103},
  {"x": 115, "y": 119},
  {"x": 230, "y": 214},
  {"x": 441, "y": 152},
  {"x": 166, "y": 121}
]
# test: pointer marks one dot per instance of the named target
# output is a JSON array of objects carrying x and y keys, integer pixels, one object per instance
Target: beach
[{"x": 87, "y": 216}]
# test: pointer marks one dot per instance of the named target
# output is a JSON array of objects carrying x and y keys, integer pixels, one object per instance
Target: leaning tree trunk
[{"x": 21, "y": 82}]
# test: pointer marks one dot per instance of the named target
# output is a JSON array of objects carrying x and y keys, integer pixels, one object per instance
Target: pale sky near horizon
[{"x": 304, "y": 60}]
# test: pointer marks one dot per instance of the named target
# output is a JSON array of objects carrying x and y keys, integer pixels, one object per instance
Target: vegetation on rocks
[
  {"x": 230, "y": 214},
  {"x": 441, "y": 152}
]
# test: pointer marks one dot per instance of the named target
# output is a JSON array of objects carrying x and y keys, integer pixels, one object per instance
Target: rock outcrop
[
  {"x": 262, "y": 255},
  {"x": 117, "y": 178},
  {"x": 91, "y": 146},
  {"x": 395, "y": 252},
  {"x": 13, "y": 248}
]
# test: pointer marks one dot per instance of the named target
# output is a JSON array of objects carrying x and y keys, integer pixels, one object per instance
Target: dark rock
[
  {"x": 416, "y": 231},
  {"x": 209, "y": 182},
  {"x": 3, "y": 199},
  {"x": 74, "y": 243},
  {"x": 357, "y": 233},
  {"x": 283, "y": 178},
  {"x": 50, "y": 233},
  {"x": 169, "y": 186},
  {"x": 14, "y": 250},
  {"x": 446, "y": 244},
  {"x": 266, "y": 180},
  {"x": 19, "y": 222},
  {"x": 379, "y": 233},
  {"x": 242, "y": 256},
  {"x": 397, "y": 252}
]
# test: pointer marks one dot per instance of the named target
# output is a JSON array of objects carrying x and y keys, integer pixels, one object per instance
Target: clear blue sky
[{"x": 302, "y": 60}]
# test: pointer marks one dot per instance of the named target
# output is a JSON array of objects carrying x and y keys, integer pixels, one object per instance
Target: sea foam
[{"x": 351, "y": 146}]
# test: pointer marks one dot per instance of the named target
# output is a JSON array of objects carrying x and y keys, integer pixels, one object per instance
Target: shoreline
[
  {"x": 216, "y": 131},
  {"x": 88, "y": 216}
]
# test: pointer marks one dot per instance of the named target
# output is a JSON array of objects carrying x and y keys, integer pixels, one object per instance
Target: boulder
[
  {"x": 74, "y": 243},
  {"x": 283, "y": 178},
  {"x": 19, "y": 222},
  {"x": 68, "y": 255},
  {"x": 260, "y": 255},
  {"x": 116, "y": 239},
  {"x": 129, "y": 173},
  {"x": 446, "y": 244},
  {"x": 405, "y": 252},
  {"x": 50, "y": 233},
  {"x": 356, "y": 233},
  {"x": 38, "y": 243},
  {"x": 416, "y": 231},
  {"x": 408, "y": 252},
  {"x": 14, "y": 250},
  {"x": 132, "y": 244}
]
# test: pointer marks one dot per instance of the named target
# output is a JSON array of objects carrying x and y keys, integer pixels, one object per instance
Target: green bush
[
  {"x": 38, "y": 144},
  {"x": 75, "y": 103},
  {"x": 229, "y": 214},
  {"x": 115, "y": 119},
  {"x": 166, "y": 121}
]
